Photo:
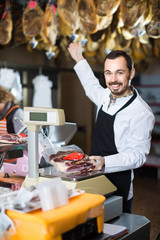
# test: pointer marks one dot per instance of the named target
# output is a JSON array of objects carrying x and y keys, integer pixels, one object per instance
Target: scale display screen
[
  {"x": 38, "y": 116},
  {"x": 43, "y": 116}
]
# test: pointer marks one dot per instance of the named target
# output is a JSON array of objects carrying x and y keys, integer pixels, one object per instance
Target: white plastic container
[{"x": 52, "y": 193}]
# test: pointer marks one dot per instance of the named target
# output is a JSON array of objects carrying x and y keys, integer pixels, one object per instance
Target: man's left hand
[{"x": 100, "y": 161}]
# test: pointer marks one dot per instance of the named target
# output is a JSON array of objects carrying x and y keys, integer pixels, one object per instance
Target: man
[{"x": 122, "y": 133}]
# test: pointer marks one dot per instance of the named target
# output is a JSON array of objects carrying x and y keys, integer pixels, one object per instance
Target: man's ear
[{"x": 132, "y": 73}]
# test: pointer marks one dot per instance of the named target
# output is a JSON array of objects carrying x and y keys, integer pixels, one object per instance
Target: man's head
[
  {"x": 5, "y": 97},
  {"x": 118, "y": 72}
]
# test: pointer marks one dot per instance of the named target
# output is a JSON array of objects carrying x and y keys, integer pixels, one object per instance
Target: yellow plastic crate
[{"x": 50, "y": 225}]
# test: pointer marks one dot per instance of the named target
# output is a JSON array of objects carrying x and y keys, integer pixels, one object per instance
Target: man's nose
[{"x": 114, "y": 77}]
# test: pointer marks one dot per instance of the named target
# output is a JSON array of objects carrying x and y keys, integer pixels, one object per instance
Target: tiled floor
[{"x": 147, "y": 199}]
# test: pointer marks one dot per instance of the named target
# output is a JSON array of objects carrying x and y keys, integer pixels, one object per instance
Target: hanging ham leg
[
  {"x": 88, "y": 16},
  {"x": 132, "y": 11},
  {"x": 32, "y": 20},
  {"x": 6, "y": 25},
  {"x": 68, "y": 16},
  {"x": 107, "y": 7},
  {"x": 49, "y": 30},
  {"x": 153, "y": 28}
]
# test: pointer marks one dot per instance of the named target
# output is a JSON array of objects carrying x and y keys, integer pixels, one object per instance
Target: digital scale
[
  {"x": 93, "y": 182},
  {"x": 34, "y": 117}
]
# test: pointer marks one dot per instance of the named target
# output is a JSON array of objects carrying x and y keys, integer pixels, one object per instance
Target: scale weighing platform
[{"x": 91, "y": 182}]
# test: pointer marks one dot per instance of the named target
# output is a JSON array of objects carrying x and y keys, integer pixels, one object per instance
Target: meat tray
[{"x": 52, "y": 172}]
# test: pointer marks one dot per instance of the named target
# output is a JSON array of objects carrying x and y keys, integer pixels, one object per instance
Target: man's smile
[{"x": 115, "y": 86}]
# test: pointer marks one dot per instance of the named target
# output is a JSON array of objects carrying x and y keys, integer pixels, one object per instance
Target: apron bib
[{"x": 103, "y": 144}]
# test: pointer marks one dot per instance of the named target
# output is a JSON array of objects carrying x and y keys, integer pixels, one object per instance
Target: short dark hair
[{"x": 119, "y": 53}]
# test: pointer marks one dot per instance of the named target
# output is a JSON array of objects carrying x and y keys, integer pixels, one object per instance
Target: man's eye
[
  {"x": 120, "y": 73},
  {"x": 108, "y": 73}
]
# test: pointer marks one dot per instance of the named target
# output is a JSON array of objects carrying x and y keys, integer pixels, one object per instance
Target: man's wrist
[{"x": 79, "y": 59}]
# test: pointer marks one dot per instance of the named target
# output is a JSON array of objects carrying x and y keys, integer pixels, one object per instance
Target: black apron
[{"x": 103, "y": 144}]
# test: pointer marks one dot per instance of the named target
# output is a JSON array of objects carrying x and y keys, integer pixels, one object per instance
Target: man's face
[{"x": 117, "y": 76}]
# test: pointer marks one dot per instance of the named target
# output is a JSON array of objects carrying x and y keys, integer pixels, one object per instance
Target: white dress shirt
[{"x": 132, "y": 126}]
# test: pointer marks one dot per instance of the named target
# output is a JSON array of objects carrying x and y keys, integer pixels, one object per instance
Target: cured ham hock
[{"x": 73, "y": 162}]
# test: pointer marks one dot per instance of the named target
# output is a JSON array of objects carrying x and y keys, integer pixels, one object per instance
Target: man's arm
[
  {"x": 93, "y": 90},
  {"x": 75, "y": 50}
]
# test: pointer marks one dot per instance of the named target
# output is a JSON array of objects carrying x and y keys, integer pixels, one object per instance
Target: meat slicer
[{"x": 48, "y": 137}]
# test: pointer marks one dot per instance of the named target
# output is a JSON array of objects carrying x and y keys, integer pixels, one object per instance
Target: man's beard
[{"x": 118, "y": 92}]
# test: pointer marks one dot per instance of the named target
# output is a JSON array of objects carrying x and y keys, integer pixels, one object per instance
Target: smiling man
[
  {"x": 118, "y": 72},
  {"x": 122, "y": 133}
]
